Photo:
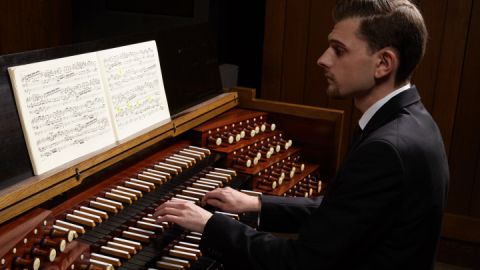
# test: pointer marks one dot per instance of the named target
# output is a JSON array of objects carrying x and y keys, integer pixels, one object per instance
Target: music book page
[
  {"x": 73, "y": 106},
  {"x": 134, "y": 86},
  {"x": 63, "y": 109}
]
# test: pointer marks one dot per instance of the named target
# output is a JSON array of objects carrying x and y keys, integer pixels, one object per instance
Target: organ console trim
[
  {"x": 248, "y": 100},
  {"x": 35, "y": 190},
  {"x": 12, "y": 233}
]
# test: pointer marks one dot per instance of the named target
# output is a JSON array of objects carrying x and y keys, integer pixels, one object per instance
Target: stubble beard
[{"x": 333, "y": 91}]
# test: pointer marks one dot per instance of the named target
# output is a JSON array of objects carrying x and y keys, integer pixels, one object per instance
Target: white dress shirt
[{"x": 377, "y": 105}]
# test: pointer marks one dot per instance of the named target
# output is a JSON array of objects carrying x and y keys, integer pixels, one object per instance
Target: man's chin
[{"x": 333, "y": 92}]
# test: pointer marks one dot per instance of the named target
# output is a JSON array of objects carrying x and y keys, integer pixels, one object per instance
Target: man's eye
[{"x": 339, "y": 51}]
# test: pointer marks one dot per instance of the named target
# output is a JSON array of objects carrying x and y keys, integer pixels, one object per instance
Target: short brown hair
[{"x": 389, "y": 23}]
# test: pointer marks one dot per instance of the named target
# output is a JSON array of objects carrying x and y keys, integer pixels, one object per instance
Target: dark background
[{"x": 238, "y": 26}]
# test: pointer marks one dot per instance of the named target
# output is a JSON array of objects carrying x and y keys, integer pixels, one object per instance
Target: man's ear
[{"x": 387, "y": 63}]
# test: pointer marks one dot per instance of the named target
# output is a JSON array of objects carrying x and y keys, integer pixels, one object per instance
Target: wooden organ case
[{"x": 93, "y": 213}]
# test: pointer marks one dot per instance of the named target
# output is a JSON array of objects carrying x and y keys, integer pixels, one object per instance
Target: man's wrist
[
  {"x": 206, "y": 217},
  {"x": 251, "y": 215},
  {"x": 253, "y": 203}
]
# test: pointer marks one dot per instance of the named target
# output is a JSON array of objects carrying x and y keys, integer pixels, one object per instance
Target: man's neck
[
  {"x": 372, "y": 110},
  {"x": 362, "y": 103}
]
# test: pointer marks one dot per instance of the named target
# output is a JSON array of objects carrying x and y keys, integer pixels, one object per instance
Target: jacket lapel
[
  {"x": 388, "y": 111},
  {"x": 385, "y": 114}
]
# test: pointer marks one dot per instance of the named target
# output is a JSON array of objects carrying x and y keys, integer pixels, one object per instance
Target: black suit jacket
[{"x": 383, "y": 210}]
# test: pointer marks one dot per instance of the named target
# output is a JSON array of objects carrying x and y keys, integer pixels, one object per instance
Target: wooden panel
[
  {"x": 27, "y": 25},
  {"x": 461, "y": 228},
  {"x": 450, "y": 66},
  {"x": 317, "y": 145},
  {"x": 248, "y": 101},
  {"x": 465, "y": 146},
  {"x": 349, "y": 125},
  {"x": 475, "y": 204},
  {"x": 34, "y": 200},
  {"x": 425, "y": 76},
  {"x": 459, "y": 253},
  {"x": 472, "y": 80},
  {"x": 295, "y": 48},
  {"x": 321, "y": 24},
  {"x": 273, "y": 49},
  {"x": 464, "y": 143}
]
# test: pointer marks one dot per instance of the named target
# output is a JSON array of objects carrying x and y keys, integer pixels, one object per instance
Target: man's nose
[{"x": 323, "y": 61}]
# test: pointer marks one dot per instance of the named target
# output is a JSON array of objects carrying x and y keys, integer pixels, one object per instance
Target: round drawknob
[
  {"x": 27, "y": 263},
  {"x": 50, "y": 254}
]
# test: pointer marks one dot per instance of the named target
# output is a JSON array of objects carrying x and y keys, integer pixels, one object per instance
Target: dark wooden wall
[
  {"x": 448, "y": 80},
  {"x": 27, "y": 25}
]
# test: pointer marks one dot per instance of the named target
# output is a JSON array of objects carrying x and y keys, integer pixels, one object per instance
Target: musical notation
[
  {"x": 134, "y": 82},
  {"x": 63, "y": 109},
  {"x": 76, "y": 105}
]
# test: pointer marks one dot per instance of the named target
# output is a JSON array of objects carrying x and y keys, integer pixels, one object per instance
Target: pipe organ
[{"x": 97, "y": 212}]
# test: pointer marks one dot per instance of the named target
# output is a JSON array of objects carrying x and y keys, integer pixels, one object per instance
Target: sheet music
[
  {"x": 134, "y": 85},
  {"x": 63, "y": 109}
]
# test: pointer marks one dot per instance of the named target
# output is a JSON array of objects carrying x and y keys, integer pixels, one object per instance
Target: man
[{"x": 384, "y": 208}]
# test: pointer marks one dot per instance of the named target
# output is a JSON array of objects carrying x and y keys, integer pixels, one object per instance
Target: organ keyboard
[
  {"x": 106, "y": 223},
  {"x": 96, "y": 213}
]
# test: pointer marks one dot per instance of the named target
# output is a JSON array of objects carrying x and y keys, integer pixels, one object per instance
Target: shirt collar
[{"x": 377, "y": 105}]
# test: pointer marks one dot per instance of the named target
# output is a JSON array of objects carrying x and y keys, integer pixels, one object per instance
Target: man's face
[{"x": 348, "y": 63}]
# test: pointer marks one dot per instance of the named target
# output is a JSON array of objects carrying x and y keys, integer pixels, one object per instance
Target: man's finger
[
  {"x": 168, "y": 210},
  {"x": 215, "y": 203},
  {"x": 168, "y": 218}
]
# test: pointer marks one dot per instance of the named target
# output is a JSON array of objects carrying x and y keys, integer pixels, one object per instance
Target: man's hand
[
  {"x": 186, "y": 214},
  {"x": 232, "y": 201}
]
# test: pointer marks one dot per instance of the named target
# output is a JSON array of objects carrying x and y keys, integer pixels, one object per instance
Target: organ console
[{"x": 96, "y": 213}]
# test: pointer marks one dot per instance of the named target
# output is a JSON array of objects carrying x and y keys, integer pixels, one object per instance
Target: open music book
[{"x": 73, "y": 106}]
